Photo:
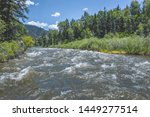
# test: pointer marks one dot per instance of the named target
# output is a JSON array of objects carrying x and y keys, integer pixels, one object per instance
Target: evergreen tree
[
  {"x": 94, "y": 26},
  {"x": 75, "y": 26},
  {"x": 146, "y": 16},
  {"x": 127, "y": 20},
  {"x": 11, "y": 11},
  {"x": 63, "y": 27},
  {"x": 135, "y": 8},
  {"x": 135, "y": 14},
  {"x": 70, "y": 34}
]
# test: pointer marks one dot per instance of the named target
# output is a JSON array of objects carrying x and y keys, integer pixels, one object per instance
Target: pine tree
[
  {"x": 11, "y": 11},
  {"x": 135, "y": 14},
  {"x": 75, "y": 26}
]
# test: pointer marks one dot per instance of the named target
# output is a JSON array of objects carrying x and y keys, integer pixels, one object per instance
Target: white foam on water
[
  {"x": 44, "y": 65},
  {"x": 105, "y": 66},
  {"x": 55, "y": 98},
  {"x": 62, "y": 94},
  {"x": 24, "y": 73},
  {"x": 2, "y": 77},
  {"x": 65, "y": 92},
  {"x": 70, "y": 70},
  {"x": 17, "y": 75},
  {"x": 142, "y": 63},
  {"x": 33, "y": 54},
  {"x": 98, "y": 60},
  {"x": 139, "y": 72},
  {"x": 84, "y": 65},
  {"x": 76, "y": 59},
  {"x": 114, "y": 77},
  {"x": 45, "y": 49},
  {"x": 91, "y": 75},
  {"x": 67, "y": 50}
]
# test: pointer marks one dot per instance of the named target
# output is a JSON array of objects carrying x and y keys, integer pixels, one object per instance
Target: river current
[{"x": 66, "y": 74}]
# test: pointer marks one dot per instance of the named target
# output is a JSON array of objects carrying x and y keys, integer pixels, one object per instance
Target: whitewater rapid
[{"x": 51, "y": 73}]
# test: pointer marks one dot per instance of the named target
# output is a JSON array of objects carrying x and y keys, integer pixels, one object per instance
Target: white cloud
[
  {"x": 44, "y": 25},
  {"x": 85, "y": 9},
  {"x": 29, "y": 2},
  {"x": 56, "y": 14},
  {"x": 38, "y": 24},
  {"x": 53, "y": 26}
]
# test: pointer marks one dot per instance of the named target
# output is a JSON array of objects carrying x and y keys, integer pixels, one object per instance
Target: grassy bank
[
  {"x": 12, "y": 49},
  {"x": 127, "y": 45}
]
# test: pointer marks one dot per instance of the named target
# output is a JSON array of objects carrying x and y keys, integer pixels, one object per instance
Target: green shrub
[
  {"x": 8, "y": 50},
  {"x": 11, "y": 49},
  {"x": 28, "y": 41}
]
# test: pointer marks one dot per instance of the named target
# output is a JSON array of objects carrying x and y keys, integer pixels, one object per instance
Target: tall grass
[{"x": 126, "y": 45}]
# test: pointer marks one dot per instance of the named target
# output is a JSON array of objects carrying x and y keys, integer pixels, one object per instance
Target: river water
[{"x": 64, "y": 74}]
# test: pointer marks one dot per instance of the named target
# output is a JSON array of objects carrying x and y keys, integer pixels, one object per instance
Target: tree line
[{"x": 133, "y": 19}]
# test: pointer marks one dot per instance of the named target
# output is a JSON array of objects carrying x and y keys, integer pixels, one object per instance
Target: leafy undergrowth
[
  {"x": 8, "y": 50},
  {"x": 12, "y": 49}
]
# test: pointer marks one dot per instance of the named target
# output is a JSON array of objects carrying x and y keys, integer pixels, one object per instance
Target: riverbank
[
  {"x": 12, "y": 49},
  {"x": 134, "y": 45}
]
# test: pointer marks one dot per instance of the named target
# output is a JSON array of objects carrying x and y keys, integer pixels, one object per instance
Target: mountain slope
[{"x": 35, "y": 31}]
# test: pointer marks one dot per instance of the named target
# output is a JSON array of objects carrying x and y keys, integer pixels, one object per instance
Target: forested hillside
[
  {"x": 133, "y": 19},
  {"x": 35, "y": 31}
]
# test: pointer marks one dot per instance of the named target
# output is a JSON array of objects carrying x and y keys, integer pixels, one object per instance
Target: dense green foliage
[
  {"x": 12, "y": 31},
  {"x": 14, "y": 48},
  {"x": 127, "y": 45},
  {"x": 9, "y": 50},
  {"x": 11, "y": 12},
  {"x": 134, "y": 19},
  {"x": 2, "y": 28},
  {"x": 28, "y": 41}
]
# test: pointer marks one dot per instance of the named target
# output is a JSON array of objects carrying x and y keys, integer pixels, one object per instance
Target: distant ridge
[{"x": 35, "y": 31}]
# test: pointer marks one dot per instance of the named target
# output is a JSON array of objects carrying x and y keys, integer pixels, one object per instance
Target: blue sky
[{"x": 48, "y": 13}]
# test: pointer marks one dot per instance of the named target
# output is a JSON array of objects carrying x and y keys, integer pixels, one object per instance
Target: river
[{"x": 65, "y": 74}]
